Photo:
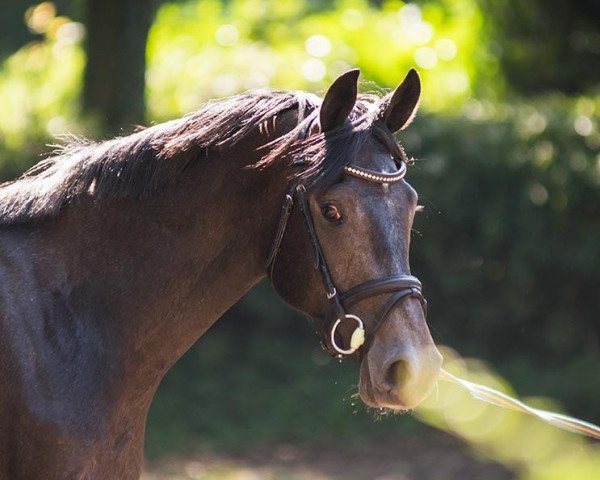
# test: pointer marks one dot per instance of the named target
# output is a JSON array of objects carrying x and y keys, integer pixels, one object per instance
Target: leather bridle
[{"x": 399, "y": 286}]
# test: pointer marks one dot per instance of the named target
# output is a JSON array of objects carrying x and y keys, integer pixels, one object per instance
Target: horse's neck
[{"x": 154, "y": 275}]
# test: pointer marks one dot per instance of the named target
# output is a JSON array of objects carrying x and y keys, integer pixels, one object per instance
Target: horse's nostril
[
  {"x": 396, "y": 374},
  {"x": 408, "y": 380}
]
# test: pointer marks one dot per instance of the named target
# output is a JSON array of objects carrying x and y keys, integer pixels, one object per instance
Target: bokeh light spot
[
  {"x": 538, "y": 194},
  {"x": 227, "y": 35},
  {"x": 352, "y": 19},
  {"x": 313, "y": 70},
  {"x": 426, "y": 57},
  {"x": 318, "y": 46},
  {"x": 225, "y": 84},
  {"x": 457, "y": 82},
  {"x": 583, "y": 125},
  {"x": 70, "y": 33},
  {"x": 445, "y": 49},
  {"x": 39, "y": 17},
  {"x": 409, "y": 14}
]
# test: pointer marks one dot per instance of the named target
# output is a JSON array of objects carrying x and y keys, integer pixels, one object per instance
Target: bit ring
[{"x": 336, "y": 347}]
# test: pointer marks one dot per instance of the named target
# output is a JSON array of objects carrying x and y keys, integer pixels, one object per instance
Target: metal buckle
[{"x": 357, "y": 339}]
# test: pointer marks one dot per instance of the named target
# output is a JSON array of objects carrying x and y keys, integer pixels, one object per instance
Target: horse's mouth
[
  {"x": 387, "y": 401},
  {"x": 375, "y": 396}
]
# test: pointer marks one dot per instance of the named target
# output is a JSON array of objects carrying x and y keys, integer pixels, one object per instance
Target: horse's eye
[{"x": 331, "y": 213}]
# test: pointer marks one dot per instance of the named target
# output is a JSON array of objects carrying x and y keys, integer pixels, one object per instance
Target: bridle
[{"x": 400, "y": 286}]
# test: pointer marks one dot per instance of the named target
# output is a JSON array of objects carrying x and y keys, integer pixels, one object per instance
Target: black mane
[{"x": 136, "y": 165}]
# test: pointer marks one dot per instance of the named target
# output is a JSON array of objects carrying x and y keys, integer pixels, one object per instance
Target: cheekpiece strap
[
  {"x": 310, "y": 227},
  {"x": 320, "y": 263},
  {"x": 286, "y": 211}
]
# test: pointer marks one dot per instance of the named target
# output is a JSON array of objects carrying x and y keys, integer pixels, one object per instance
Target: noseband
[{"x": 399, "y": 287}]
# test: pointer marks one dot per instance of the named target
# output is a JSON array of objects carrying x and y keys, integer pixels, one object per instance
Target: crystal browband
[{"x": 379, "y": 177}]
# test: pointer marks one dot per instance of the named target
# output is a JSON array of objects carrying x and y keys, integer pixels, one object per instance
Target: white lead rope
[{"x": 487, "y": 394}]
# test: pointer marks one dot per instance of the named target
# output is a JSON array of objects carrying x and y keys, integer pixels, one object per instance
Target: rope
[{"x": 487, "y": 394}]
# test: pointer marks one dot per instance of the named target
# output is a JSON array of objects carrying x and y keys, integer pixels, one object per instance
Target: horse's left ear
[
  {"x": 339, "y": 101},
  {"x": 399, "y": 108}
]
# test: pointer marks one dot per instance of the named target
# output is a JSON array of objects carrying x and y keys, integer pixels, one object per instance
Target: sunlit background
[{"x": 508, "y": 247}]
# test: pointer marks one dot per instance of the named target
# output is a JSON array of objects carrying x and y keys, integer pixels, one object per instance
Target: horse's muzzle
[
  {"x": 402, "y": 365},
  {"x": 403, "y": 382}
]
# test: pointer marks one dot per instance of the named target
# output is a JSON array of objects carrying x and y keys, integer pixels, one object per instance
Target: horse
[{"x": 115, "y": 257}]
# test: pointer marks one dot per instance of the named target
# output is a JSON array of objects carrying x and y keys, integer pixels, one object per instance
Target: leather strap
[
  {"x": 379, "y": 287},
  {"x": 319, "y": 258},
  {"x": 286, "y": 208},
  {"x": 387, "y": 309}
]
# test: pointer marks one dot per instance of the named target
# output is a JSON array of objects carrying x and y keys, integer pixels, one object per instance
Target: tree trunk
[{"x": 113, "y": 92}]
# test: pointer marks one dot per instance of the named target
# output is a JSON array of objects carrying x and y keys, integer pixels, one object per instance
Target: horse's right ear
[
  {"x": 399, "y": 108},
  {"x": 339, "y": 101}
]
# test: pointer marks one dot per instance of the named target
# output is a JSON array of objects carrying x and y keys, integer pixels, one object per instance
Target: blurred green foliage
[
  {"x": 200, "y": 50},
  {"x": 510, "y": 230},
  {"x": 260, "y": 375},
  {"x": 39, "y": 89},
  {"x": 561, "y": 39},
  {"x": 508, "y": 242},
  {"x": 507, "y": 246}
]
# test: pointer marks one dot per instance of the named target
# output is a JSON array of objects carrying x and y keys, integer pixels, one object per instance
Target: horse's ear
[
  {"x": 339, "y": 100},
  {"x": 399, "y": 108}
]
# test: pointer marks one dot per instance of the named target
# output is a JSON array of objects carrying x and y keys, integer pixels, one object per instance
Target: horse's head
[{"x": 343, "y": 257}]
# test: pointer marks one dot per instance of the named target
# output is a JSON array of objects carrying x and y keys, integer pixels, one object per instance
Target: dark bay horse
[{"x": 116, "y": 257}]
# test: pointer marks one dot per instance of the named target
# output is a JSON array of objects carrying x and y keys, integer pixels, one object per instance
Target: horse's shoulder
[{"x": 57, "y": 359}]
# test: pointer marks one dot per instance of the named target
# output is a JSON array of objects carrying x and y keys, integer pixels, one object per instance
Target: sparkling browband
[{"x": 378, "y": 177}]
